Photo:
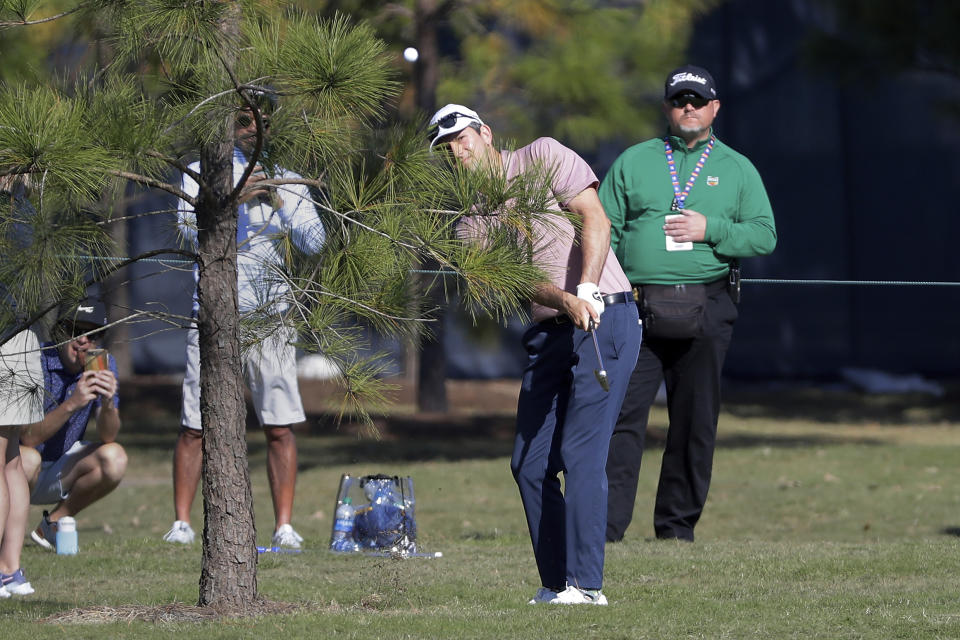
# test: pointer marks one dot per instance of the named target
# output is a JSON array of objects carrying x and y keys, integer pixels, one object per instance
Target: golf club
[{"x": 600, "y": 373}]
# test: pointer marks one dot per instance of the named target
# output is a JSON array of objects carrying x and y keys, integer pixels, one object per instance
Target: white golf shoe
[{"x": 573, "y": 595}]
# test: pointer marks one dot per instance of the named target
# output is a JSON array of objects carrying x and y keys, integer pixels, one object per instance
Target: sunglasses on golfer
[
  {"x": 682, "y": 100},
  {"x": 448, "y": 121}
]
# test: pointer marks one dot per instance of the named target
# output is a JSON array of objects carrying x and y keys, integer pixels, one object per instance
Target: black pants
[{"x": 691, "y": 372}]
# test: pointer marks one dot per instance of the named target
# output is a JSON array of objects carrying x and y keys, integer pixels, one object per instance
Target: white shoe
[
  {"x": 285, "y": 536},
  {"x": 544, "y": 595},
  {"x": 573, "y": 595},
  {"x": 16, "y": 584},
  {"x": 4, "y": 593},
  {"x": 180, "y": 532}
]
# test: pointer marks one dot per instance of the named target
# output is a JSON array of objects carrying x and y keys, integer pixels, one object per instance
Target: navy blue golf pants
[{"x": 564, "y": 422}]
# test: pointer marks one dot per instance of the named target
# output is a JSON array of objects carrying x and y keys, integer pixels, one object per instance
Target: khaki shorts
[
  {"x": 270, "y": 371},
  {"x": 21, "y": 380},
  {"x": 49, "y": 489}
]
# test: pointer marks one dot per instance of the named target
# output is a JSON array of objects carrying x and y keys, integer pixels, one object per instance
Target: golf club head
[{"x": 602, "y": 379}]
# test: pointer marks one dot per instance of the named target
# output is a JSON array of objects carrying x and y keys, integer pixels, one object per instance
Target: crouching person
[{"x": 62, "y": 468}]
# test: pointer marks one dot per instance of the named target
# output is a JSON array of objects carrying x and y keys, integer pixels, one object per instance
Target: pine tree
[{"x": 180, "y": 75}]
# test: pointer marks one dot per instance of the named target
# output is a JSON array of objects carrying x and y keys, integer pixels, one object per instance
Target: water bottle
[
  {"x": 381, "y": 491},
  {"x": 343, "y": 528},
  {"x": 66, "y": 536}
]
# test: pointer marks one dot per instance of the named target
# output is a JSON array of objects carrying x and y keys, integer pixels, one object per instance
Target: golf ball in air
[{"x": 410, "y": 54}]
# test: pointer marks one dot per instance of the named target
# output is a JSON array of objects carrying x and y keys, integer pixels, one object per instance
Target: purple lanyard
[{"x": 680, "y": 197}]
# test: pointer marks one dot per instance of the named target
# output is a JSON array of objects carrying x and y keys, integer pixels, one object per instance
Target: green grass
[{"x": 823, "y": 522}]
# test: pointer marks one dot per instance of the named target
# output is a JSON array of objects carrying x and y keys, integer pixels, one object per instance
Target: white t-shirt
[
  {"x": 257, "y": 229},
  {"x": 21, "y": 380}
]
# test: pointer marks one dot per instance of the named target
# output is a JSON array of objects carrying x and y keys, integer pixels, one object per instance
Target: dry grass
[{"x": 170, "y": 613}]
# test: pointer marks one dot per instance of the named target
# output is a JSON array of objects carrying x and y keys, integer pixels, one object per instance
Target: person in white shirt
[
  {"x": 269, "y": 367},
  {"x": 21, "y": 403}
]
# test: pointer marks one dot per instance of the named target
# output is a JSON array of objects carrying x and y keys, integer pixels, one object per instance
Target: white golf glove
[{"x": 591, "y": 293}]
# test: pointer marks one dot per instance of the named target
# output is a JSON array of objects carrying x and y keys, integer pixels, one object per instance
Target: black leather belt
[
  {"x": 711, "y": 287},
  {"x": 613, "y": 298},
  {"x": 617, "y": 298}
]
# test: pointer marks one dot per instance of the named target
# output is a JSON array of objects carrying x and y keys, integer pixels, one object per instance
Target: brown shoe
[{"x": 45, "y": 535}]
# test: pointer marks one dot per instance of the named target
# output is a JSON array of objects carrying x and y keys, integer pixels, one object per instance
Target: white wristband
[{"x": 591, "y": 293}]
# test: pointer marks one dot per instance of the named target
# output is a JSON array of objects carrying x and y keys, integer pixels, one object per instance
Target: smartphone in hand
[{"x": 96, "y": 360}]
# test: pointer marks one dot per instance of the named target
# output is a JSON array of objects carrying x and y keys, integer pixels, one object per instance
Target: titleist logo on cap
[{"x": 687, "y": 77}]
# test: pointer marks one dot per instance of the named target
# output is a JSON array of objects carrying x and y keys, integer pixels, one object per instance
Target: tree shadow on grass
[
  {"x": 657, "y": 438},
  {"x": 175, "y": 613},
  {"x": 401, "y": 439},
  {"x": 831, "y": 406},
  {"x": 151, "y": 418},
  {"x": 438, "y": 438}
]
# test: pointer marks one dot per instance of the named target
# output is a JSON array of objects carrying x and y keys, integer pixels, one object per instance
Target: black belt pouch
[{"x": 673, "y": 311}]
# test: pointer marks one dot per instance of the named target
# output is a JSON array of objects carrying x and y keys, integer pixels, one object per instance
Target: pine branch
[
  {"x": 157, "y": 184},
  {"x": 309, "y": 182},
  {"x": 317, "y": 183},
  {"x": 367, "y": 227},
  {"x": 26, "y": 324},
  {"x": 368, "y": 308},
  {"x": 19, "y": 171},
  {"x": 257, "y": 150},
  {"x": 152, "y": 315},
  {"x": 214, "y": 97},
  {"x": 255, "y": 110},
  {"x": 393, "y": 8},
  {"x": 26, "y": 23},
  {"x": 107, "y": 221},
  {"x": 176, "y": 164}
]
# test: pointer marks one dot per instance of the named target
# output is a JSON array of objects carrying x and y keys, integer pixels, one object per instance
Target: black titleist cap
[
  {"x": 90, "y": 312},
  {"x": 690, "y": 78}
]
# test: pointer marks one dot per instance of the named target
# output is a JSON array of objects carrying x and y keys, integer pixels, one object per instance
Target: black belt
[
  {"x": 612, "y": 298},
  {"x": 711, "y": 287},
  {"x": 618, "y": 298}
]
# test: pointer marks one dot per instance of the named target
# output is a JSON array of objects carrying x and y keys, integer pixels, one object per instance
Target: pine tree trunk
[
  {"x": 427, "y": 69},
  {"x": 228, "y": 577},
  {"x": 432, "y": 363},
  {"x": 116, "y": 297}
]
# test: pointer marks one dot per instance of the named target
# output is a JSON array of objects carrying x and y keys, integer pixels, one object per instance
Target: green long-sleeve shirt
[{"x": 637, "y": 193}]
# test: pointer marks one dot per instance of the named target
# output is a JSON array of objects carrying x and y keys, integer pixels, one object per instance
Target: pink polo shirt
[{"x": 557, "y": 252}]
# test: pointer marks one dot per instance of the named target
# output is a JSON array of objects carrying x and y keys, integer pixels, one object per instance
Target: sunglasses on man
[
  {"x": 682, "y": 100},
  {"x": 74, "y": 331},
  {"x": 244, "y": 121},
  {"x": 448, "y": 121}
]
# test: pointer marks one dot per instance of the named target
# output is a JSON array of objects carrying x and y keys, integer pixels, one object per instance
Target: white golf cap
[{"x": 451, "y": 119}]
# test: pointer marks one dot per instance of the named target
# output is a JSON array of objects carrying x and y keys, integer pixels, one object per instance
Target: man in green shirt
[{"x": 683, "y": 209}]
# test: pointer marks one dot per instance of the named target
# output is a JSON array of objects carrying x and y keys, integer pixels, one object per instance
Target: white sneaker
[
  {"x": 573, "y": 595},
  {"x": 544, "y": 595},
  {"x": 4, "y": 593},
  {"x": 285, "y": 536},
  {"x": 180, "y": 532},
  {"x": 16, "y": 584}
]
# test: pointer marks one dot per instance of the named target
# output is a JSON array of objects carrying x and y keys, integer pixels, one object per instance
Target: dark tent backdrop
[{"x": 863, "y": 179}]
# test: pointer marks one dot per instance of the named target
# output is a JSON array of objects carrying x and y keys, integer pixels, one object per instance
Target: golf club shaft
[{"x": 596, "y": 345}]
